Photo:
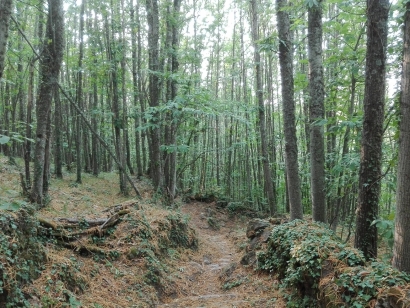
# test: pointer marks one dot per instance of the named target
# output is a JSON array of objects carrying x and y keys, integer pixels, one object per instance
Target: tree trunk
[
  {"x": 172, "y": 88},
  {"x": 79, "y": 96},
  {"x": 141, "y": 98},
  {"x": 291, "y": 148},
  {"x": 5, "y": 12},
  {"x": 401, "y": 251},
  {"x": 136, "y": 82},
  {"x": 261, "y": 121},
  {"x": 154, "y": 91},
  {"x": 49, "y": 69},
  {"x": 58, "y": 123},
  {"x": 316, "y": 91},
  {"x": 372, "y": 134}
]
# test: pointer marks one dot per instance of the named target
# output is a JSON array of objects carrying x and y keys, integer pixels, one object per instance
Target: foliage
[
  {"x": 180, "y": 234},
  {"x": 315, "y": 265},
  {"x": 21, "y": 254},
  {"x": 385, "y": 230},
  {"x": 296, "y": 252},
  {"x": 234, "y": 283},
  {"x": 4, "y": 139},
  {"x": 64, "y": 283},
  {"x": 361, "y": 284},
  {"x": 241, "y": 208}
]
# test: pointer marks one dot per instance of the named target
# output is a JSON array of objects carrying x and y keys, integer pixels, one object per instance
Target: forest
[{"x": 283, "y": 108}]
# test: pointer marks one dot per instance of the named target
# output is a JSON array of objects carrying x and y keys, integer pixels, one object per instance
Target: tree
[
  {"x": 401, "y": 251},
  {"x": 171, "y": 94},
  {"x": 261, "y": 107},
  {"x": 50, "y": 64},
  {"x": 372, "y": 134},
  {"x": 5, "y": 12},
  {"x": 79, "y": 95},
  {"x": 154, "y": 92},
  {"x": 317, "y": 111},
  {"x": 289, "y": 127}
]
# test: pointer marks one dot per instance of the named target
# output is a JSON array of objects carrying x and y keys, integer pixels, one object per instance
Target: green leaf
[
  {"x": 311, "y": 3},
  {"x": 11, "y": 206},
  {"x": 4, "y": 139}
]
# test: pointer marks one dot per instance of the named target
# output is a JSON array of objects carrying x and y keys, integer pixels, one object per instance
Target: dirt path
[{"x": 212, "y": 276}]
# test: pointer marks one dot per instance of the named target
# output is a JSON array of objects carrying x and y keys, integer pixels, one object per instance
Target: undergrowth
[{"x": 312, "y": 262}]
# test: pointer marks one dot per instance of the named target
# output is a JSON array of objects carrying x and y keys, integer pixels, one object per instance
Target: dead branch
[
  {"x": 94, "y": 226},
  {"x": 121, "y": 206},
  {"x": 83, "y": 248}
]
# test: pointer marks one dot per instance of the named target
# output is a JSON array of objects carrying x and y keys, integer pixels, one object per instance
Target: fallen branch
[
  {"x": 121, "y": 206},
  {"x": 83, "y": 248},
  {"x": 47, "y": 223},
  {"x": 93, "y": 226}
]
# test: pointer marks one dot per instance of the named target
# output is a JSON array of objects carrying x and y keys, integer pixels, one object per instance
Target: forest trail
[{"x": 212, "y": 276}]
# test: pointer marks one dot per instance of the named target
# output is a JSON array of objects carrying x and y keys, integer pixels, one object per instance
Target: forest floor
[
  {"x": 209, "y": 276},
  {"x": 213, "y": 276}
]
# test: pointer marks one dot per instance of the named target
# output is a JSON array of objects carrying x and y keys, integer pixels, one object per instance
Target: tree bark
[
  {"x": 5, "y": 12},
  {"x": 372, "y": 134},
  {"x": 154, "y": 92},
  {"x": 317, "y": 113},
  {"x": 79, "y": 96},
  {"x": 289, "y": 127},
  {"x": 58, "y": 123},
  {"x": 136, "y": 76},
  {"x": 261, "y": 121},
  {"x": 401, "y": 251},
  {"x": 172, "y": 89},
  {"x": 50, "y": 64}
]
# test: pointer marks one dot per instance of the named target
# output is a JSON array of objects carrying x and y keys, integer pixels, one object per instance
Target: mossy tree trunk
[
  {"x": 372, "y": 134},
  {"x": 288, "y": 102},
  {"x": 317, "y": 112},
  {"x": 5, "y": 12},
  {"x": 401, "y": 254},
  {"x": 50, "y": 64},
  {"x": 156, "y": 170},
  {"x": 170, "y": 160}
]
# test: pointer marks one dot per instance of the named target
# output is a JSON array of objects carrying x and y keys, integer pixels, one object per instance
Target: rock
[
  {"x": 249, "y": 258},
  {"x": 227, "y": 272},
  {"x": 255, "y": 227},
  {"x": 277, "y": 220},
  {"x": 257, "y": 241},
  {"x": 221, "y": 204}
]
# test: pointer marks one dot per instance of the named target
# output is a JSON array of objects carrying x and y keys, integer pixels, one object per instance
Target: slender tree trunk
[
  {"x": 172, "y": 89},
  {"x": 372, "y": 134},
  {"x": 49, "y": 68},
  {"x": 261, "y": 120},
  {"x": 154, "y": 91},
  {"x": 27, "y": 143},
  {"x": 401, "y": 251},
  {"x": 47, "y": 156},
  {"x": 125, "y": 136},
  {"x": 5, "y": 12},
  {"x": 58, "y": 134},
  {"x": 141, "y": 98},
  {"x": 291, "y": 148},
  {"x": 79, "y": 95},
  {"x": 136, "y": 76},
  {"x": 95, "y": 153},
  {"x": 317, "y": 113}
]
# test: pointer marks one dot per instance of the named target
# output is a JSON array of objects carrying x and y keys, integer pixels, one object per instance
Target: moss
[{"x": 22, "y": 255}]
